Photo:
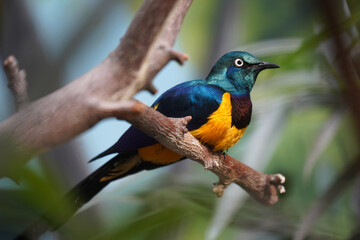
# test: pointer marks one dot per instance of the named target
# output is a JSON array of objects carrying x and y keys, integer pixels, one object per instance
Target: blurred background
[{"x": 305, "y": 121}]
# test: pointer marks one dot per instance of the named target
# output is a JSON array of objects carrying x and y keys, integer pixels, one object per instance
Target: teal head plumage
[
  {"x": 237, "y": 71},
  {"x": 234, "y": 75},
  {"x": 220, "y": 107}
]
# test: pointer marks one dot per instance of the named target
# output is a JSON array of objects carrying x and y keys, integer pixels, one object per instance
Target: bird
[{"x": 220, "y": 107}]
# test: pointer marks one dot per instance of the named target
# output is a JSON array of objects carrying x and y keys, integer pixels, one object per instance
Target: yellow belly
[
  {"x": 217, "y": 133},
  {"x": 158, "y": 154}
]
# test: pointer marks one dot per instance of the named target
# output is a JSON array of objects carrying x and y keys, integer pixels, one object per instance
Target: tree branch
[
  {"x": 143, "y": 52},
  {"x": 16, "y": 81},
  {"x": 172, "y": 133},
  {"x": 106, "y": 91}
]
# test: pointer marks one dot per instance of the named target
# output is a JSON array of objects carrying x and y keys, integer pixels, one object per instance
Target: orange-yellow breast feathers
[{"x": 218, "y": 132}]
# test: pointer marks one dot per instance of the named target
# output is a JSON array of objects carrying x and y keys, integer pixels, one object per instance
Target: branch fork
[
  {"x": 179, "y": 57},
  {"x": 107, "y": 91}
]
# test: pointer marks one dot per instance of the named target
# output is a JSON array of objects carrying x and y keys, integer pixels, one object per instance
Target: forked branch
[{"x": 107, "y": 91}]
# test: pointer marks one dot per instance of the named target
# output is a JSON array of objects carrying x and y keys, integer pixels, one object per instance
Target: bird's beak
[{"x": 266, "y": 65}]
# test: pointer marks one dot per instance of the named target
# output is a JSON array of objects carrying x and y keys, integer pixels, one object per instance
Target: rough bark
[
  {"x": 107, "y": 90},
  {"x": 173, "y": 134},
  {"x": 143, "y": 52},
  {"x": 16, "y": 81}
]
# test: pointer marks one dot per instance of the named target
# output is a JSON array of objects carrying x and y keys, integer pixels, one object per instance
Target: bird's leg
[
  {"x": 224, "y": 154},
  {"x": 222, "y": 157}
]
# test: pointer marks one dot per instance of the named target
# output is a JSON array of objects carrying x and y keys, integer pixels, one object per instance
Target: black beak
[{"x": 265, "y": 65}]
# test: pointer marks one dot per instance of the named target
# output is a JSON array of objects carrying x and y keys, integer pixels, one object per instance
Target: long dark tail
[{"x": 118, "y": 167}]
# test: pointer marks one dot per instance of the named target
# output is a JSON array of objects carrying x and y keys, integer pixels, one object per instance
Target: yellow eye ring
[{"x": 238, "y": 62}]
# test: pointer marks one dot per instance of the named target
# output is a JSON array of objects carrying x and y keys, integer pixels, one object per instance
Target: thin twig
[
  {"x": 16, "y": 81},
  {"x": 143, "y": 52},
  {"x": 106, "y": 91}
]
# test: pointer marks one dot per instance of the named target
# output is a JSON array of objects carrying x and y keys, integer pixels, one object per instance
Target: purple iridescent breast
[{"x": 241, "y": 110}]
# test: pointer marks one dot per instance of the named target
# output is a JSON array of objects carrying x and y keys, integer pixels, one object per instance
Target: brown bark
[
  {"x": 142, "y": 53},
  {"x": 173, "y": 134},
  {"x": 16, "y": 81},
  {"x": 107, "y": 90}
]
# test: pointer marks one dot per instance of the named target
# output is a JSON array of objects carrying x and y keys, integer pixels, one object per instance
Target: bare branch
[
  {"x": 178, "y": 56},
  {"x": 106, "y": 91},
  {"x": 16, "y": 81},
  {"x": 143, "y": 52},
  {"x": 172, "y": 133}
]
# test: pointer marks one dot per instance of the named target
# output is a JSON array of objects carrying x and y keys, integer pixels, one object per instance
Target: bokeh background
[{"x": 302, "y": 125}]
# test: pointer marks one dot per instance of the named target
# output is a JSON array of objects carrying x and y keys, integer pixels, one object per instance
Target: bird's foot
[{"x": 278, "y": 181}]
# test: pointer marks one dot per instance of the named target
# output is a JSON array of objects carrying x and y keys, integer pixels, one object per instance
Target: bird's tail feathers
[
  {"x": 116, "y": 168},
  {"x": 119, "y": 166},
  {"x": 111, "y": 150}
]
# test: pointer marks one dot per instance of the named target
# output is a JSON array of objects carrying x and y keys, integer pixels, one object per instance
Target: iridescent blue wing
[{"x": 195, "y": 98}]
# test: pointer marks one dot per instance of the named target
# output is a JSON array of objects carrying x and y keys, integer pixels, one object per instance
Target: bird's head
[{"x": 237, "y": 71}]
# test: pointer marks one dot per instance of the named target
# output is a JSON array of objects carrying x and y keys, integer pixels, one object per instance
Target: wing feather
[{"x": 195, "y": 98}]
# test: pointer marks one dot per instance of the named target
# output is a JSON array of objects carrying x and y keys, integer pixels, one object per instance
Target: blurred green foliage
[{"x": 177, "y": 203}]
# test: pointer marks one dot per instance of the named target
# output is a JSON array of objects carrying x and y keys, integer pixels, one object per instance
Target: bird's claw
[{"x": 184, "y": 122}]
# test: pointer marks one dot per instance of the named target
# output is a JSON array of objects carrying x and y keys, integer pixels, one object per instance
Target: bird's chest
[{"x": 227, "y": 124}]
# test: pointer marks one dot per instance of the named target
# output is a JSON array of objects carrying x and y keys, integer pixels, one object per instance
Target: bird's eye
[{"x": 239, "y": 62}]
